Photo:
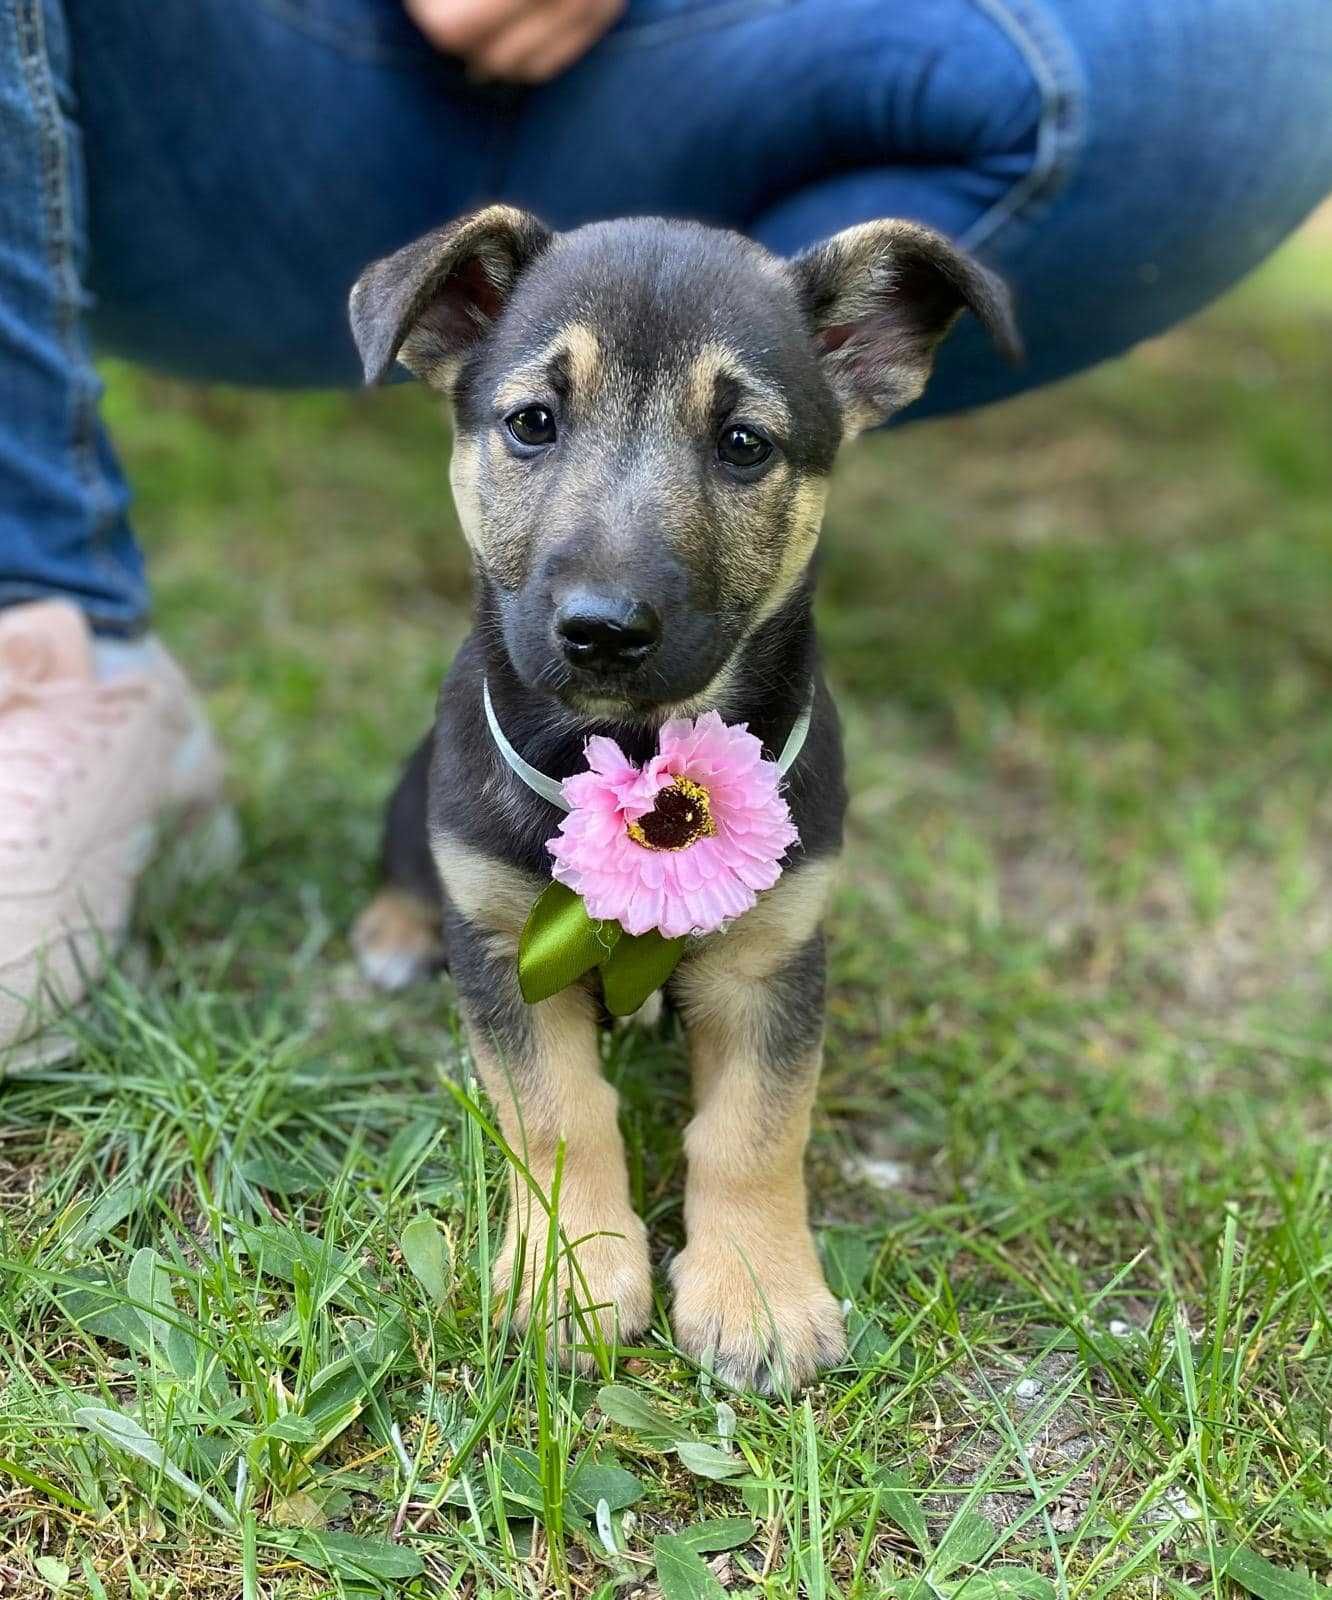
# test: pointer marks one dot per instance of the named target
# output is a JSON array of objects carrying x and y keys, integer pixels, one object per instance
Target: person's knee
[{"x": 1197, "y": 147}]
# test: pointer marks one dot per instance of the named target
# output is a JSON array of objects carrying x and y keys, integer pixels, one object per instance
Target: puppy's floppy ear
[
  {"x": 879, "y": 298},
  {"x": 425, "y": 304}
]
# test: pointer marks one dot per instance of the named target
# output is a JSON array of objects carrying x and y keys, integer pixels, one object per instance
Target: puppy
[{"x": 645, "y": 417}]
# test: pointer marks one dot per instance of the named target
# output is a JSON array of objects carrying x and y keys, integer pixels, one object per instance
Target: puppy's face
[
  {"x": 646, "y": 414},
  {"x": 641, "y": 451}
]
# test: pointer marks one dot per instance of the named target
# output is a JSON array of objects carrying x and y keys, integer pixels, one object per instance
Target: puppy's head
[{"x": 646, "y": 414}]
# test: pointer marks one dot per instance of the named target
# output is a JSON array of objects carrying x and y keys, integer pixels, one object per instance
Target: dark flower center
[{"x": 679, "y": 817}]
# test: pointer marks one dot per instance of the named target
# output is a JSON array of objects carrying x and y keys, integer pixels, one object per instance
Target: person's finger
[
  {"x": 544, "y": 42},
  {"x": 563, "y": 52},
  {"x": 504, "y": 53},
  {"x": 461, "y": 26}
]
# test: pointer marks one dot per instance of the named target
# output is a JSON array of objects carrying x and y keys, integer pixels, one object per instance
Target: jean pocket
[
  {"x": 658, "y": 22},
  {"x": 373, "y": 31}
]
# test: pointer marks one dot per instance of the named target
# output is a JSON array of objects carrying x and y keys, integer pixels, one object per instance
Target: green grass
[{"x": 1072, "y": 1160}]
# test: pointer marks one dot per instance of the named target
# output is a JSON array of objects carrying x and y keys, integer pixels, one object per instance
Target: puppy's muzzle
[{"x": 606, "y": 633}]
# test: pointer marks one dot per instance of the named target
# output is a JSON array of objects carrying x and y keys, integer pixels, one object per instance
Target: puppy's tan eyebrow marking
[
  {"x": 574, "y": 357},
  {"x": 716, "y": 365}
]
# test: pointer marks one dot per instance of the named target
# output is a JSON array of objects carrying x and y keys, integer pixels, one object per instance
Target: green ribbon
[{"x": 560, "y": 944}]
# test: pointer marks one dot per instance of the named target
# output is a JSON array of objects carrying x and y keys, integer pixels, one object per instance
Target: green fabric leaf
[
  {"x": 636, "y": 968},
  {"x": 559, "y": 943}
]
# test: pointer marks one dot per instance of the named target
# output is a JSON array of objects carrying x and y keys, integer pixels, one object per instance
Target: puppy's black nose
[{"x": 606, "y": 633}]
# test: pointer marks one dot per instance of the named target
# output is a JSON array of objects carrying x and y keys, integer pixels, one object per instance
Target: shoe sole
[{"x": 199, "y": 845}]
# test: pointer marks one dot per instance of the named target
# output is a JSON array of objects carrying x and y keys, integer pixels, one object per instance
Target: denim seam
[
  {"x": 54, "y": 177},
  {"x": 1036, "y": 36}
]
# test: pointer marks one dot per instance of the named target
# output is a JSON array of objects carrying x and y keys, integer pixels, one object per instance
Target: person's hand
[{"x": 526, "y": 41}]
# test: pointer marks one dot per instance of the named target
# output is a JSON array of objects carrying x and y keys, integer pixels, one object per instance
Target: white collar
[{"x": 553, "y": 790}]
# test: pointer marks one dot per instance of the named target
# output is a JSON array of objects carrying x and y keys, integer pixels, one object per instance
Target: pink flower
[{"x": 682, "y": 844}]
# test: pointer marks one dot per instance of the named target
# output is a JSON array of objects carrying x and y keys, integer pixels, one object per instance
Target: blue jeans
[{"x": 196, "y": 183}]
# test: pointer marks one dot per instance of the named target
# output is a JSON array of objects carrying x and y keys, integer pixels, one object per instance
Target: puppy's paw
[
  {"x": 397, "y": 939},
  {"x": 602, "y": 1296},
  {"x": 757, "y": 1312}
]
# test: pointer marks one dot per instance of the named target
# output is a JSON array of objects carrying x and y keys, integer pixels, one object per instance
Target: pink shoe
[{"x": 94, "y": 777}]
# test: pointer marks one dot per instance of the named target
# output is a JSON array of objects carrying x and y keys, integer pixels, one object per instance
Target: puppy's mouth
[
  {"x": 644, "y": 694},
  {"x": 639, "y": 689}
]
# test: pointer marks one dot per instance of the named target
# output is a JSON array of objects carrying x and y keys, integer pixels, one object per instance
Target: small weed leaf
[
  {"x": 297, "y": 1510},
  {"x": 847, "y": 1258},
  {"x": 969, "y": 1537},
  {"x": 681, "y": 1571},
  {"x": 425, "y": 1252},
  {"x": 719, "y": 1533},
  {"x": 149, "y": 1286},
  {"x": 346, "y": 1554},
  {"x": 866, "y": 1341},
  {"x": 53, "y": 1570},
  {"x": 520, "y": 1474},
  {"x": 124, "y": 1433},
  {"x": 603, "y": 1480},
  {"x": 900, "y": 1503},
  {"x": 707, "y": 1461},
  {"x": 289, "y": 1253},
  {"x": 1005, "y": 1583},
  {"x": 96, "y": 1307},
  {"x": 92, "y": 1224},
  {"x": 291, "y": 1429},
  {"x": 340, "y": 1391},
  {"x": 627, "y": 1407},
  {"x": 282, "y": 1177},
  {"x": 1258, "y": 1575}
]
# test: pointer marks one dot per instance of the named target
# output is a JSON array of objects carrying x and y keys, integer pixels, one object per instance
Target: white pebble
[{"x": 877, "y": 1172}]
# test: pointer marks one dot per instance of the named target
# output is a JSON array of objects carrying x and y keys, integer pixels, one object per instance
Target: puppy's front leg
[
  {"x": 542, "y": 1069},
  {"x": 750, "y": 1298}
]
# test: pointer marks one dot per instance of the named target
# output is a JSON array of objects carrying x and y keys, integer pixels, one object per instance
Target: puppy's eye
[
  {"x": 533, "y": 425},
  {"x": 742, "y": 447}
]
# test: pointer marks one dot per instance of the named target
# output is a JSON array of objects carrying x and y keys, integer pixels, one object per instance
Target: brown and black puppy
[{"x": 645, "y": 415}]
